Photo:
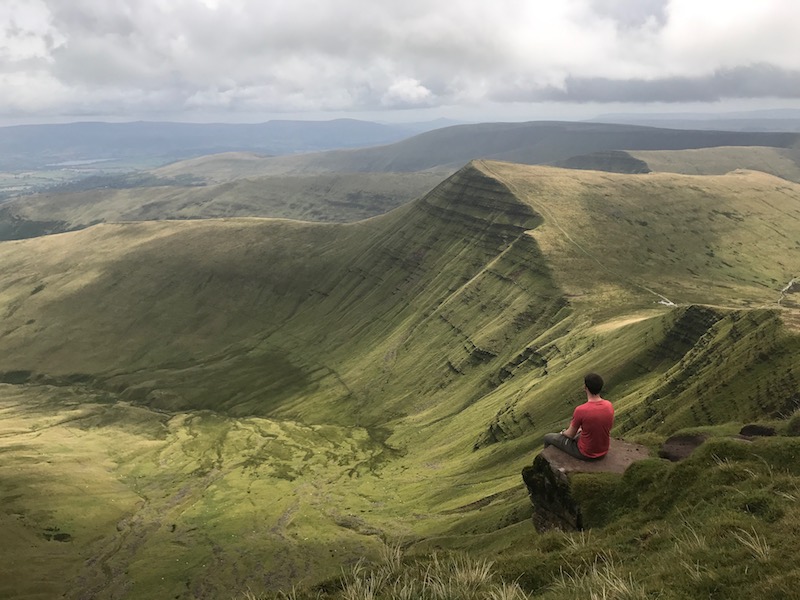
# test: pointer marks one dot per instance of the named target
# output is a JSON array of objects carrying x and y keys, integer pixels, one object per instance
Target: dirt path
[{"x": 790, "y": 288}]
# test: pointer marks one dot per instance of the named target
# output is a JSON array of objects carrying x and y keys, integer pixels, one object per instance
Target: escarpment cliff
[
  {"x": 256, "y": 316},
  {"x": 489, "y": 296}
]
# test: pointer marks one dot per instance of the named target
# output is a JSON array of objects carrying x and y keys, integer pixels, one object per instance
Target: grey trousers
[{"x": 565, "y": 444}]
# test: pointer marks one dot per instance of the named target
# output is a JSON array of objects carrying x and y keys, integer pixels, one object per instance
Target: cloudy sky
[{"x": 250, "y": 60}]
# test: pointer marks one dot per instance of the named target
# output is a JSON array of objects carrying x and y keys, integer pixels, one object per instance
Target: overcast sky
[{"x": 250, "y": 60}]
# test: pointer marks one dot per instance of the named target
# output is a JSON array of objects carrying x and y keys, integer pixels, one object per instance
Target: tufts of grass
[
  {"x": 602, "y": 580},
  {"x": 690, "y": 540},
  {"x": 756, "y": 544},
  {"x": 437, "y": 577},
  {"x": 578, "y": 539},
  {"x": 793, "y": 424}
]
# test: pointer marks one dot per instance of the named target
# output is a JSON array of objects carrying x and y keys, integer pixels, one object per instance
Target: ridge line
[{"x": 547, "y": 213}]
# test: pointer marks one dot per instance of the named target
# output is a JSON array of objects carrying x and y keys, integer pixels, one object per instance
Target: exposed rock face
[
  {"x": 681, "y": 446},
  {"x": 549, "y": 486}
]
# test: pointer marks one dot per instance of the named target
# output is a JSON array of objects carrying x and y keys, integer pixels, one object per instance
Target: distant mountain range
[
  {"x": 249, "y": 184},
  {"x": 143, "y": 144},
  {"x": 38, "y": 146},
  {"x": 756, "y": 120},
  {"x": 537, "y": 142}
]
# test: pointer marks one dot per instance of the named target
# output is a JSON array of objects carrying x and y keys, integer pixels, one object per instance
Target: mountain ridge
[
  {"x": 362, "y": 183},
  {"x": 534, "y": 142},
  {"x": 494, "y": 222},
  {"x": 276, "y": 398}
]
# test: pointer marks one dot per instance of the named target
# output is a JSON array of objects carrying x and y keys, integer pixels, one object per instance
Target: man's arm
[{"x": 570, "y": 431}]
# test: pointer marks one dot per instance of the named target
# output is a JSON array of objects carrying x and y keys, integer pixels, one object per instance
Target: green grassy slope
[
  {"x": 332, "y": 198},
  {"x": 781, "y": 162},
  {"x": 216, "y": 168},
  {"x": 232, "y": 166},
  {"x": 716, "y": 240},
  {"x": 372, "y": 381}
]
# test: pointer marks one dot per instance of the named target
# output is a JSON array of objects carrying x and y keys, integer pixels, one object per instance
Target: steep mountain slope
[
  {"x": 274, "y": 398},
  {"x": 223, "y": 300}
]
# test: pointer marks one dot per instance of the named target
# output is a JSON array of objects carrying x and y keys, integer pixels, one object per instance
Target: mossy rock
[{"x": 572, "y": 494}]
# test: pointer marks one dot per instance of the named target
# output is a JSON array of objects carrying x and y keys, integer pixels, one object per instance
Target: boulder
[{"x": 549, "y": 487}]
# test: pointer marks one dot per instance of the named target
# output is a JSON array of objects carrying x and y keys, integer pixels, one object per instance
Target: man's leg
[{"x": 565, "y": 444}]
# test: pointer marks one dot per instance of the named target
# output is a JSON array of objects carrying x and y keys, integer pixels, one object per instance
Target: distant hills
[
  {"x": 360, "y": 183},
  {"x": 433, "y": 144},
  {"x": 754, "y": 120},
  {"x": 538, "y": 142},
  {"x": 83, "y": 144}
]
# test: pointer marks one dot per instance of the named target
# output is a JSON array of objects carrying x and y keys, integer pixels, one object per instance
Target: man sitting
[{"x": 588, "y": 435}]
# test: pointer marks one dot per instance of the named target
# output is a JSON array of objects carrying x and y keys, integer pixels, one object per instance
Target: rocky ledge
[{"x": 549, "y": 482}]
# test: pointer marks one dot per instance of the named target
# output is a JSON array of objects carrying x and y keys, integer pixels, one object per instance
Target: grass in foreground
[
  {"x": 722, "y": 525},
  {"x": 438, "y": 577}
]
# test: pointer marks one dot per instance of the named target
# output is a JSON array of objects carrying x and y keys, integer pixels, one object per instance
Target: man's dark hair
[{"x": 593, "y": 383}]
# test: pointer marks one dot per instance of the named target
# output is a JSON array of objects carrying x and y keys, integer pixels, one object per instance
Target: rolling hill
[
  {"x": 536, "y": 142},
  {"x": 39, "y": 146},
  {"x": 781, "y": 162},
  {"x": 330, "y": 198},
  {"x": 197, "y": 407},
  {"x": 753, "y": 120}
]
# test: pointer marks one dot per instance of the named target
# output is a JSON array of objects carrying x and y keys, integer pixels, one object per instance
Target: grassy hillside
[
  {"x": 334, "y": 198},
  {"x": 210, "y": 405},
  {"x": 232, "y": 166},
  {"x": 781, "y": 162}
]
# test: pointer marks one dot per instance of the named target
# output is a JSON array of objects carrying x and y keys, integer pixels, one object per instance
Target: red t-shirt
[{"x": 595, "y": 420}]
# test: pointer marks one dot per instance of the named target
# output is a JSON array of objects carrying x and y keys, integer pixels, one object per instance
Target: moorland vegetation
[{"x": 202, "y": 408}]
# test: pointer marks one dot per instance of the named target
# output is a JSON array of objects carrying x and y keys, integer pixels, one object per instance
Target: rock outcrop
[{"x": 549, "y": 482}]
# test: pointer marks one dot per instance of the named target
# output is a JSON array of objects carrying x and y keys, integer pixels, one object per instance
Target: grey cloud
[
  {"x": 88, "y": 17},
  {"x": 632, "y": 13},
  {"x": 755, "y": 81},
  {"x": 307, "y": 55}
]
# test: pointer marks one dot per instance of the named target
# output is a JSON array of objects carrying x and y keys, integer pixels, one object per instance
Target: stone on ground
[{"x": 549, "y": 487}]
